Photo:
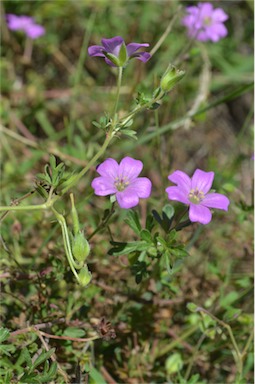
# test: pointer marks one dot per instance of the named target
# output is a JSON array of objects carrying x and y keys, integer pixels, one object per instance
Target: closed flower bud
[
  {"x": 170, "y": 78},
  {"x": 80, "y": 247},
  {"x": 85, "y": 276}
]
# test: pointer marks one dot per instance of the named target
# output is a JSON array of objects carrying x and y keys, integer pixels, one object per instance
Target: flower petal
[
  {"x": 18, "y": 22},
  {"x": 133, "y": 47},
  {"x": 219, "y": 15},
  {"x": 216, "y": 31},
  {"x": 193, "y": 10},
  {"x": 182, "y": 180},
  {"x": 108, "y": 169},
  {"x": 96, "y": 50},
  {"x": 178, "y": 194},
  {"x": 202, "y": 180},
  {"x": 216, "y": 200},
  {"x": 201, "y": 36},
  {"x": 34, "y": 31},
  {"x": 141, "y": 186},
  {"x": 130, "y": 168},
  {"x": 113, "y": 45},
  {"x": 206, "y": 10},
  {"x": 143, "y": 56},
  {"x": 127, "y": 199},
  {"x": 103, "y": 186},
  {"x": 200, "y": 214}
]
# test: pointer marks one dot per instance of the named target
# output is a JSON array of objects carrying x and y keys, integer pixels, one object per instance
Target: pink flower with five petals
[
  {"x": 122, "y": 181},
  {"x": 194, "y": 192},
  {"x": 205, "y": 23}
]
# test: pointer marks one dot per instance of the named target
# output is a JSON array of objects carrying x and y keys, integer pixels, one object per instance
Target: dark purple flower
[
  {"x": 25, "y": 24},
  {"x": 116, "y": 53},
  {"x": 205, "y": 23},
  {"x": 122, "y": 181},
  {"x": 194, "y": 192}
]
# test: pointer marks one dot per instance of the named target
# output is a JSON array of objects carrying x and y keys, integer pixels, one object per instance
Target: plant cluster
[{"x": 87, "y": 236}]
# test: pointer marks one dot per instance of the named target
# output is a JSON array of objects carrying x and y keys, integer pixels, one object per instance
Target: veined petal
[
  {"x": 178, "y": 194},
  {"x": 141, "y": 186},
  {"x": 199, "y": 213},
  {"x": 96, "y": 50},
  {"x": 216, "y": 200},
  {"x": 113, "y": 45},
  {"x": 143, "y": 56},
  {"x": 202, "y": 180},
  {"x": 127, "y": 199},
  {"x": 130, "y": 168},
  {"x": 109, "y": 168},
  {"x": 182, "y": 180},
  {"x": 133, "y": 47},
  {"x": 103, "y": 186}
]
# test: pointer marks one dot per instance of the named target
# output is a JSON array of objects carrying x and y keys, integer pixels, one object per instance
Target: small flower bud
[
  {"x": 80, "y": 247},
  {"x": 76, "y": 225},
  {"x": 170, "y": 78},
  {"x": 85, "y": 276}
]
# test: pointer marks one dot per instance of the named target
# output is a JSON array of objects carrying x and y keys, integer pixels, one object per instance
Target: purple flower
[
  {"x": 116, "y": 53},
  {"x": 194, "y": 192},
  {"x": 205, "y": 23},
  {"x": 122, "y": 181},
  {"x": 25, "y": 24}
]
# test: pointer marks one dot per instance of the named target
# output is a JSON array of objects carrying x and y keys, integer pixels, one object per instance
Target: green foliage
[
  {"x": 53, "y": 176},
  {"x": 166, "y": 250},
  {"x": 37, "y": 368}
]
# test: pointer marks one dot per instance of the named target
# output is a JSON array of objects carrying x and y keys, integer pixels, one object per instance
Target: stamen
[
  {"x": 196, "y": 196},
  {"x": 207, "y": 21},
  {"x": 121, "y": 183}
]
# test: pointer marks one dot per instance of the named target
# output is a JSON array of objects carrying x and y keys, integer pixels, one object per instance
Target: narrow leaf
[{"x": 132, "y": 220}]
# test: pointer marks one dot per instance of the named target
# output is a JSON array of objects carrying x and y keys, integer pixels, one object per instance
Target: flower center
[
  {"x": 196, "y": 196},
  {"x": 121, "y": 183},
  {"x": 207, "y": 21}
]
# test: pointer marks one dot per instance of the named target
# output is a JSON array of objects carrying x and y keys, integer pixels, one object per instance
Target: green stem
[
  {"x": 103, "y": 223},
  {"x": 164, "y": 350},
  {"x": 67, "y": 245},
  {"x": 237, "y": 356},
  {"x": 130, "y": 115},
  {"x": 109, "y": 136},
  {"x": 247, "y": 345},
  {"x": 25, "y": 207},
  {"x": 166, "y": 33},
  {"x": 117, "y": 95},
  {"x": 193, "y": 358},
  {"x": 78, "y": 74},
  {"x": 178, "y": 220}
]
